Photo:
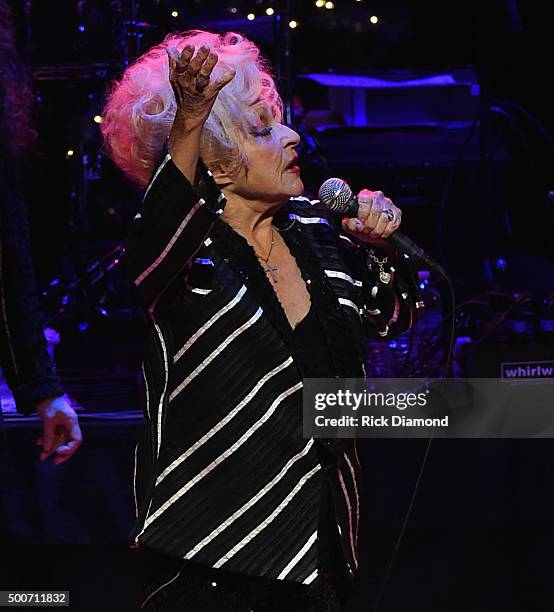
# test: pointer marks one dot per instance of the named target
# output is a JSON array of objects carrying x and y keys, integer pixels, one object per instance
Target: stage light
[
  {"x": 233, "y": 9},
  {"x": 175, "y": 13},
  {"x": 81, "y": 28},
  {"x": 97, "y": 119},
  {"x": 320, "y": 3},
  {"x": 269, "y": 11},
  {"x": 250, "y": 16},
  {"x": 374, "y": 19},
  {"x": 329, "y": 5},
  {"x": 70, "y": 153},
  {"x": 293, "y": 24}
]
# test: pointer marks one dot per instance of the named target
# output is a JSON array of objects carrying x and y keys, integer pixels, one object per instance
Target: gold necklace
[{"x": 268, "y": 267}]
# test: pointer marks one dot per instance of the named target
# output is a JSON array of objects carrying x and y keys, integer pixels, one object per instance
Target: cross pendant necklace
[
  {"x": 268, "y": 267},
  {"x": 272, "y": 269}
]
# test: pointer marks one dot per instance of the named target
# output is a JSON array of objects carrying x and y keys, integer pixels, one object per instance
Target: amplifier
[{"x": 508, "y": 337}]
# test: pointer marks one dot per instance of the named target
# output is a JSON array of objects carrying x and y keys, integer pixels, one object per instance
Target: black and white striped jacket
[{"x": 223, "y": 475}]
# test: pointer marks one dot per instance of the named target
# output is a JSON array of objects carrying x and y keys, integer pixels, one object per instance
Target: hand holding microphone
[
  {"x": 377, "y": 218},
  {"x": 371, "y": 217}
]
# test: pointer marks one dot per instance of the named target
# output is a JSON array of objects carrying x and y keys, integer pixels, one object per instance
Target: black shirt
[
  {"x": 311, "y": 349},
  {"x": 313, "y": 357}
]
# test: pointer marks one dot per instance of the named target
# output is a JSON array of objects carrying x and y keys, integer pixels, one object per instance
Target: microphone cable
[
  {"x": 336, "y": 195},
  {"x": 423, "y": 464}
]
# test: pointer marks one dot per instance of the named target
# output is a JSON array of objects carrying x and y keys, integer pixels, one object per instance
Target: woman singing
[{"x": 249, "y": 288}]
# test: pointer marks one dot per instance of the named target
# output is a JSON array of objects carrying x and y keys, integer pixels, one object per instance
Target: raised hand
[
  {"x": 195, "y": 92},
  {"x": 194, "y": 87}
]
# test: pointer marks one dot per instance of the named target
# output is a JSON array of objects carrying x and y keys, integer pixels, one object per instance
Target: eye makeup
[{"x": 263, "y": 132}]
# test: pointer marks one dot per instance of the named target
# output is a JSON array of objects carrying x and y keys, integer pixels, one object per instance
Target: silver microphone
[{"x": 336, "y": 195}]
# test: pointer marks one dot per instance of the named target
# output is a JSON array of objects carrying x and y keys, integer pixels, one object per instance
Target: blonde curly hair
[{"x": 141, "y": 107}]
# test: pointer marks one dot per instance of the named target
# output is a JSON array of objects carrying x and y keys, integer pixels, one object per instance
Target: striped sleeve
[
  {"x": 168, "y": 230},
  {"x": 391, "y": 297},
  {"x": 391, "y": 300}
]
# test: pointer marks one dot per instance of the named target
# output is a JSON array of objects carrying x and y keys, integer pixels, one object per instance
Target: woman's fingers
[
  {"x": 65, "y": 452},
  {"x": 377, "y": 217},
  {"x": 395, "y": 223},
  {"x": 352, "y": 224},
  {"x": 194, "y": 85},
  {"x": 379, "y": 230},
  {"x": 364, "y": 204},
  {"x": 197, "y": 61},
  {"x": 184, "y": 58},
  {"x": 388, "y": 223},
  {"x": 208, "y": 65},
  {"x": 193, "y": 71},
  {"x": 370, "y": 206},
  {"x": 372, "y": 211},
  {"x": 171, "y": 61},
  {"x": 203, "y": 76},
  {"x": 377, "y": 207},
  {"x": 227, "y": 77},
  {"x": 178, "y": 61}
]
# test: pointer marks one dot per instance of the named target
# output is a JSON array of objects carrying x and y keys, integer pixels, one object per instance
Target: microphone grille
[{"x": 335, "y": 195}]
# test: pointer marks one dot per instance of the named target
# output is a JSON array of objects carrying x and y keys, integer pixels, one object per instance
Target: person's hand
[
  {"x": 377, "y": 218},
  {"x": 194, "y": 86},
  {"x": 60, "y": 429}
]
